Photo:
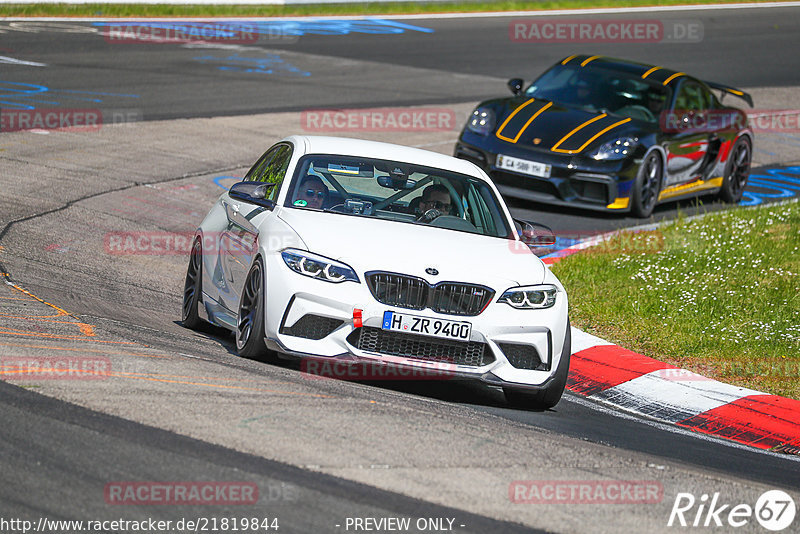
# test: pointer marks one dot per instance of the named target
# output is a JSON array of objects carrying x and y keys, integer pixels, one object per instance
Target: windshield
[
  {"x": 602, "y": 90},
  {"x": 395, "y": 191}
]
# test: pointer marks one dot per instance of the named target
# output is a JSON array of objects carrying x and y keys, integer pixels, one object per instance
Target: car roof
[
  {"x": 650, "y": 72},
  {"x": 318, "y": 144}
]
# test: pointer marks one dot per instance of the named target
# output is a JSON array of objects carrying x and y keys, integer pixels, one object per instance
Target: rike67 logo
[{"x": 774, "y": 510}]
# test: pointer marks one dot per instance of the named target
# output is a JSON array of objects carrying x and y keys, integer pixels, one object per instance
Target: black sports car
[{"x": 612, "y": 135}]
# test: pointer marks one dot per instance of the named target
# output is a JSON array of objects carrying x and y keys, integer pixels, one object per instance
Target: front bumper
[
  {"x": 506, "y": 347},
  {"x": 574, "y": 181}
]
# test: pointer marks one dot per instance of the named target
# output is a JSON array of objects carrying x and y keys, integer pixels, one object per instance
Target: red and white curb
[{"x": 628, "y": 381}]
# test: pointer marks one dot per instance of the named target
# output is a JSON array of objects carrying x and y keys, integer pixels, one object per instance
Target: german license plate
[
  {"x": 426, "y": 326},
  {"x": 534, "y": 168}
]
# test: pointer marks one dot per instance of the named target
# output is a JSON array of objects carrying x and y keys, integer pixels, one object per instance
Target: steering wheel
[{"x": 429, "y": 216}]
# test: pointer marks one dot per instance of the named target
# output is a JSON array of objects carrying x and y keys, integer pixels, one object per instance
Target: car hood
[
  {"x": 541, "y": 124},
  {"x": 368, "y": 244}
]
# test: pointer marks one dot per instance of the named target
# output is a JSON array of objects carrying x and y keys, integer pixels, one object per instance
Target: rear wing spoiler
[{"x": 732, "y": 91}]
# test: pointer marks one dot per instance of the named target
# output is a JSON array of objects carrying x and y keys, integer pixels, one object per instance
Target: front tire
[
  {"x": 737, "y": 171},
  {"x": 193, "y": 288},
  {"x": 550, "y": 395},
  {"x": 250, "y": 322},
  {"x": 647, "y": 186}
]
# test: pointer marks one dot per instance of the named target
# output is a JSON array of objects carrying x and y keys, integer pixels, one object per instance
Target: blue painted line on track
[
  {"x": 218, "y": 179},
  {"x": 227, "y": 28}
]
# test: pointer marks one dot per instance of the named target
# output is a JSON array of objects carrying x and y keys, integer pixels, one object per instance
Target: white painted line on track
[{"x": 14, "y": 61}]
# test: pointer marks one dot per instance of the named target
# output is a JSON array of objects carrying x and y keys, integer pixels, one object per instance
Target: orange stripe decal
[
  {"x": 570, "y": 58},
  {"x": 601, "y": 132},
  {"x": 525, "y": 126},
  {"x": 588, "y": 60},
  {"x": 673, "y": 77},
  {"x": 587, "y": 123},
  {"x": 508, "y": 119},
  {"x": 649, "y": 72}
]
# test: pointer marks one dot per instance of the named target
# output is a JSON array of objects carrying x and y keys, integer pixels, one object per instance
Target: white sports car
[{"x": 359, "y": 251}]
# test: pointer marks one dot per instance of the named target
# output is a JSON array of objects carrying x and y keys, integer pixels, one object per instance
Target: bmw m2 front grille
[
  {"x": 471, "y": 353},
  {"x": 452, "y": 298}
]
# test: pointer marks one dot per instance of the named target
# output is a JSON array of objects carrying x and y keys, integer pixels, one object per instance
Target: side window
[
  {"x": 271, "y": 168},
  {"x": 710, "y": 101},
  {"x": 691, "y": 97}
]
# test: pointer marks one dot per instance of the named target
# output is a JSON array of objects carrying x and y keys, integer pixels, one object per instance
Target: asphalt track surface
[{"x": 181, "y": 406}]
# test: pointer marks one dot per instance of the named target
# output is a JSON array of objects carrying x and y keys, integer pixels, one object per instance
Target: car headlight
[
  {"x": 482, "y": 121},
  {"x": 618, "y": 149},
  {"x": 530, "y": 297},
  {"x": 318, "y": 267}
]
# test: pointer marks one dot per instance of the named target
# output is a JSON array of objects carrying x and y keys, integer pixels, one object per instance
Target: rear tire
[
  {"x": 193, "y": 289},
  {"x": 737, "y": 171},
  {"x": 647, "y": 186},
  {"x": 250, "y": 321},
  {"x": 550, "y": 395}
]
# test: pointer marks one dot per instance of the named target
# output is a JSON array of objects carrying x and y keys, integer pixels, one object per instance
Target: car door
[
  {"x": 240, "y": 237},
  {"x": 689, "y": 138}
]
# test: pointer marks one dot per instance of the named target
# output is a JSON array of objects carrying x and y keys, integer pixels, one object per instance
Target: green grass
[
  {"x": 717, "y": 295},
  {"x": 356, "y": 8}
]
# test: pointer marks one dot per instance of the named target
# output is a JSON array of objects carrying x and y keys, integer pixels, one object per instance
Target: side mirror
[
  {"x": 535, "y": 235},
  {"x": 253, "y": 193},
  {"x": 515, "y": 85}
]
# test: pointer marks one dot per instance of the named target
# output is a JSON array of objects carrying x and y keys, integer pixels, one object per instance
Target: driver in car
[
  {"x": 313, "y": 191},
  {"x": 435, "y": 202}
]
